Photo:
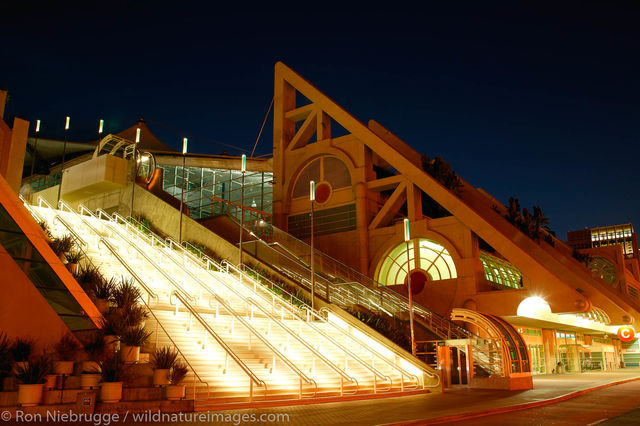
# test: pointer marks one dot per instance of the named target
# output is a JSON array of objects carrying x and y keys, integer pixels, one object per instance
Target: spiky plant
[
  {"x": 89, "y": 277},
  {"x": 134, "y": 315},
  {"x": 74, "y": 256},
  {"x": 135, "y": 336},
  {"x": 113, "y": 369},
  {"x": 6, "y": 358},
  {"x": 21, "y": 349},
  {"x": 164, "y": 358},
  {"x": 104, "y": 289},
  {"x": 62, "y": 245},
  {"x": 96, "y": 347},
  {"x": 178, "y": 372},
  {"x": 35, "y": 371},
  {"x": 126, "y": 294},
  {"x": 67, "y": 347},
  {"x": 110, "y": 324}
]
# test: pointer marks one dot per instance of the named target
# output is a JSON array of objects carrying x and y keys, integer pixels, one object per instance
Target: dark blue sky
[{"x": 538, "y": 101}]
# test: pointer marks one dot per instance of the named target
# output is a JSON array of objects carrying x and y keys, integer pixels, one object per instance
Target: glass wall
[
  {"x": 210, "y": 192},
  {"x": 25, "y": 255}
]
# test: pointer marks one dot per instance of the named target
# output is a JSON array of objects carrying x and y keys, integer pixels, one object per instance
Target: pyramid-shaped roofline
[{"x": 148, "y": 141}]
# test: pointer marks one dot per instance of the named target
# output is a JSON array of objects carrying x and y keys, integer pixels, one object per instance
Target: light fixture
[
  {"x": 37, "y": 126},
  {"x": 101, "y": 127}
]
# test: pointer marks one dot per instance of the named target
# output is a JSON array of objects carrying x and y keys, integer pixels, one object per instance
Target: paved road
[{"x": 614, "y": 405}]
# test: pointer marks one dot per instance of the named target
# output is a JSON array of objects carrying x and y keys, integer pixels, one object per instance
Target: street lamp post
[
  {"x": 407, "y": 239},
  {"x": 135, "y": 169},
  {"x": 243, "y": 169},
  {"x": 312, "y": 198},
  {"x": 64, "y": 152},
  {"x": 184, "y": 156},
  {"x": 35, "y": 147}
]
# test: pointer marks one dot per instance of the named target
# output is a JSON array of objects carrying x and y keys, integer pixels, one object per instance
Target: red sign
[{"x": 626, "y": 334}]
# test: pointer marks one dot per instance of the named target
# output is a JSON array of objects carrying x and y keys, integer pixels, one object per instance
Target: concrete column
[
  {"x": 550, "y": 349},
  {"x": 362, "y": 224}
]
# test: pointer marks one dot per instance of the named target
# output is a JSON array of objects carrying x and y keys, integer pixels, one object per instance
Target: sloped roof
[{"x": 148, "y": 141}]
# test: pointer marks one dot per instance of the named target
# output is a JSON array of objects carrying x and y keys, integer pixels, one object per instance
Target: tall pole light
[
  {"x": 312, "y": 198},
  {"x": 135, "y": 169},
  {"x": 184, "y": 155},
  {"x": 35, "y": 147},
  {"x": 407, "y": 239},
  {"x": 64, "y": 152},
  {"x": 100, "y": 128},
  {"x": 243, "y": 169}
]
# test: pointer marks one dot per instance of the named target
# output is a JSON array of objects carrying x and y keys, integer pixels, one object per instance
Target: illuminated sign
[{"x": 626, "y": 333}]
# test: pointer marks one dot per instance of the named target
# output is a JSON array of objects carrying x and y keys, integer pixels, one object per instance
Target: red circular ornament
[
  {"x": 626, "y": 333},
  {"x": 323, "y": 192},
  {"x": 418, "y": 278}
]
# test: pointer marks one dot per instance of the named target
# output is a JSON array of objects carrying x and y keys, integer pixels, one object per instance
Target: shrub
[
  {"x": 74, "y": 256},
  {"x": 135, "y": 336},
  {"x": 125, "y": 294},
  {"x": 178, "y": 372},
  {"x": 89, "y": 277},
  {"x": 96, "y": 347},
  {"x": 105, "y": 289},
  {"x": 134, "y": 315},
  {"x": 164, "y": 358},
  {"x": 110, "y": 324},
  {"x": 35, "y": 371},
  {"x": 113, "y": 369},
  {"x": 61, "y": 245},
  {"x": 67, "y": 347},
  {"x": 21, "y": 349}
]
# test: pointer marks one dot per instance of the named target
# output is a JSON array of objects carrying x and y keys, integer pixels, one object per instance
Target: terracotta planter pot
[
  {"x": 63, "y": 367},
  {"x": 129, "y": 354},
  {"x": 175, "y": 392},
  {"x": 111, "y": 391},
  {"x": 161, "y": 377},
  {"x": 111, "y": 343},
  {"x": 102, "y": 305},
  {"x": 52, "y": 380},
  {"x": 30, "y": 395},
  {"x": 90, "y": 381},
  {"x": 71, "y": 267}
]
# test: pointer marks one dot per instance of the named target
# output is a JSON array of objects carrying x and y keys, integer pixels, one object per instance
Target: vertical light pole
[
  {"x": 35, "y": 147},
  {"x": 64, "y": 152},
  {"x": 312, "y": 198},
  {"x": 184, "y": 156},
  {"x": 243, "y": 169},
  {"x": 100, "y": 128},
  {"x": 407, "y": 239},
  {"x": 135, "y": 169}
]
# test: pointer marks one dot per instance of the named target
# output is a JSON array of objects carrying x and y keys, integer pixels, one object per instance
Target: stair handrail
[
  {"x": 320, "y": 332},
  {"x": 140, "y": 251},
  {"x": 196, "y": 375},
  {"x": 183, "y": 298},
  {"x": 229, "y": 309}
]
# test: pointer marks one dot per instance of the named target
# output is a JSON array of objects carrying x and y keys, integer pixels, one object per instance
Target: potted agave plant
[
  {"x": 32, "y": 379},
  {"x": 103, "y": 292},
  {"x": 134, "y": 316},
  {"x": 111, "y": 328},
  {"x": 114, "y": 372},
  {"x": 73, "y": 258},
  {"x": 162, "y": 361},
  {"x": 21, "y": 351},
  {"x": 91, "y": 372},
  {"x": 61, "y": 246},
  {"x": 131, "y": 341},
  {"x": 125, "y": 295},
  {"x": 66, "y": 350},
  {"x": 176, "y": 389}
]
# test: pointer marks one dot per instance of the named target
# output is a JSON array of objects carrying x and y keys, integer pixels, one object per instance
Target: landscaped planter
[
  {"x": 90, "y": 381},
  {"x": 63, "y": 367},
  {"x": 102, "y": 305},
  {"x": 30, "y": 395},
  {"x": 161, "y": 377},
  {"x": 175, "y": 392},
  {"x": 111, "y": 391},
  {"x": 51, "y": 381},
  {"x": 129, "y": 354}
]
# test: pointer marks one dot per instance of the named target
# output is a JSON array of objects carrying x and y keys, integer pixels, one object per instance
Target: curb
[{"x": 508, "y": 409}]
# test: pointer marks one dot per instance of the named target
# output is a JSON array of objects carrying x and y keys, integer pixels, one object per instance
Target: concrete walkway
[{"x": 453, "y": 405}]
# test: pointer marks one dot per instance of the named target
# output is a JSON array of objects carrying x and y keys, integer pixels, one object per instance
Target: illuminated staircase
[{"x": 242, "y": 343}]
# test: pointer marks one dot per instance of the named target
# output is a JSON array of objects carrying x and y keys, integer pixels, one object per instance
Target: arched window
[
  {"x": 324, "y": 169},
  {"x": 603, "y": 268},
  {"x": 433, "y": 259}
]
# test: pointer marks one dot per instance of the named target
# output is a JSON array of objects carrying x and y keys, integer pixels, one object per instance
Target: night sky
[{"x": 538, "y": 101}]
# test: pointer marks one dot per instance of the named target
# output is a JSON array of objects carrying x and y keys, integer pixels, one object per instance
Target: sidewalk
[{"x": 458, "y": 403}]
